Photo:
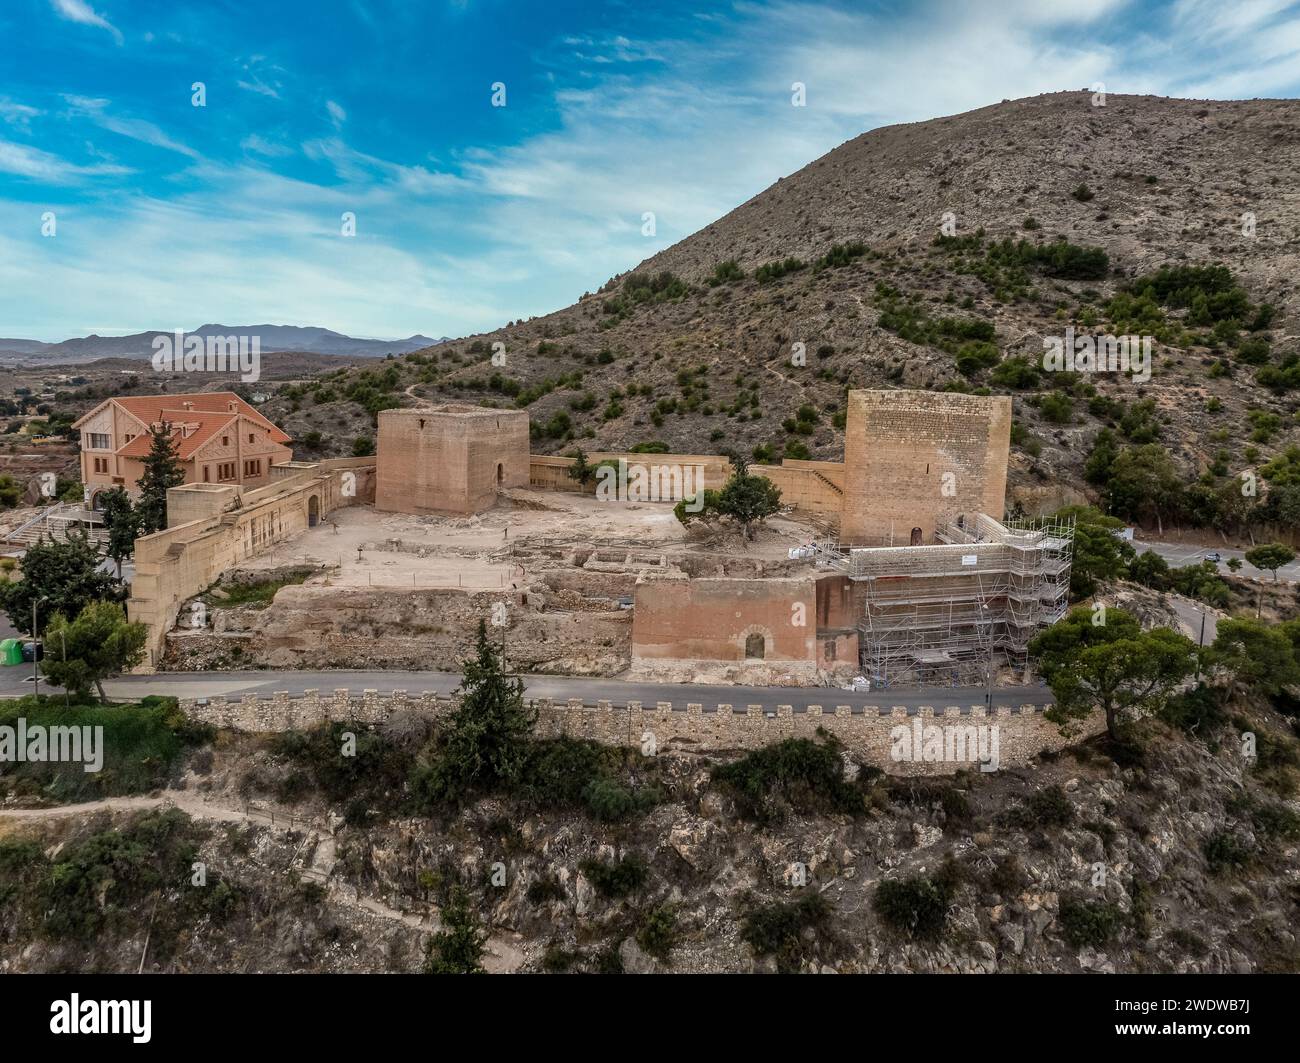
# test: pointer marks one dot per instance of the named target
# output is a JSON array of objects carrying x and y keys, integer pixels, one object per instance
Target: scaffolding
[{"x": 954, "y": 612}]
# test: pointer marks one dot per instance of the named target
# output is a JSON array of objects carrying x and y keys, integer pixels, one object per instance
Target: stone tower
[
  {"x": 916, "y": 459},
  {"x": 450, "y": 458}
]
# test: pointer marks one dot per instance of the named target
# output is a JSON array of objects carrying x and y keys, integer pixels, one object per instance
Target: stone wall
[
  {"x": 870, "y": 732},
  {"x": 811, "y": 486},
  {"x": 551, "y": 472},
  {"x": 717, "y": 619},
  {"x": 176, "y": 564},
  {"x": 916, "y": 459},
  {"x": 451, "y": 458}
]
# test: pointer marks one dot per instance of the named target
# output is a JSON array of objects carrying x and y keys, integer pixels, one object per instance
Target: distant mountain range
[{"x": 271, "y": 337}]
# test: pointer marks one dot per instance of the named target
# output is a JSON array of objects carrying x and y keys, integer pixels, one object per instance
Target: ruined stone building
[{"x": 926, "y": 583}]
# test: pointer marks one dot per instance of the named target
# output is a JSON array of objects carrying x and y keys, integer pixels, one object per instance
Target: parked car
[
  {"x": 33, "y": 651},
  {"x": 1214, "y": 556}
]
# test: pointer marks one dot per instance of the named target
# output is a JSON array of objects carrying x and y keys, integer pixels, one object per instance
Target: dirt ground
[{"x": 366, "y": 548}]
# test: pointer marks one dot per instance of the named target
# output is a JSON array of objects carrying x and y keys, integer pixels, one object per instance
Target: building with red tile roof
[{"x": 220, "y": 439}]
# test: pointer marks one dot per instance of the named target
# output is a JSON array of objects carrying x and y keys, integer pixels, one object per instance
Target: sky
[{"x": 126, "y": 207}]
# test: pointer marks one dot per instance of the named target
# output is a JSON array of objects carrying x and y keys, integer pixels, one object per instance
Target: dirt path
[{"x": 502, "y": 954}]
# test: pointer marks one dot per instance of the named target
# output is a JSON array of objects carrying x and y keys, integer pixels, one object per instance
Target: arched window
[{"x": 755, "y": 647}]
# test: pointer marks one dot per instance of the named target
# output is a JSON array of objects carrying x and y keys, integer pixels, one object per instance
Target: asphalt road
[
  {"x": 1179, "y": 555},
  {"x": 16, "y": 681}
]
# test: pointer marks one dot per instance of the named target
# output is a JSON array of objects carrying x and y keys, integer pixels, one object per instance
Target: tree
[
  {"x": 1113, "y": 665},
  {"x": 162, "y": 471},
  {"x": 458, "y": 947},
  {"x": 1257, "y": 655},
  {"x": 1270, "y": 556},
  {"x": 100, "y": 642},
  {"x": 487, "y": 741},
  {"x": 580, "y": 470},
  {"x": 1098, "y": 552},
  {"x": 11, "y": 491},
  {"x": 746, "y": 499},
  {"x": 1144, "y": 481},
  {"x": 63, "y": 576},
  {"x": 123, "y": 522}
]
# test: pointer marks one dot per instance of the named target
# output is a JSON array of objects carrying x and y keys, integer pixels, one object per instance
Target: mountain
[
  {"x": 272, "y": 338},
  {"x": 696, "y": 347}
]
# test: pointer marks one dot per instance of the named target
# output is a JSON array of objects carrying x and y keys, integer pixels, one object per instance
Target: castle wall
[
  {"x": 175, "y": 564},
  {"x": 916, "y": 459},
  {"x": 713, "y": 619},
  {"x": 812, "y": 486},
  {"x": 450, "y": 459},
  {"x": 871, "y": 732}
]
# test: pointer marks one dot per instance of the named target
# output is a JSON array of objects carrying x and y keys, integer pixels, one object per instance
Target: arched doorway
[
  {"x": 755, "y": 646},
  {"x": 313, "y": 511},
  {"x": 501, "y": 473},
  {"x": 916, "y": 537}
]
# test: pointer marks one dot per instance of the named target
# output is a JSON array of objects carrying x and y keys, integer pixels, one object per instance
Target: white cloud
[
  {"x": 259, "y": 144},
  {"x": 96, "y": 110},
  {"x": 26, "y": 161},
  {"x": 80, "y": 11},
  {"x": 17, "y": 114},
  {"x": 337, "y": 114}
]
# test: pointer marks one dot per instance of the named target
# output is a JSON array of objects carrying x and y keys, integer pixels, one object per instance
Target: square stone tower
[
  {"x": 450, "y": 458},
  {"x": 914, "y": 460}
]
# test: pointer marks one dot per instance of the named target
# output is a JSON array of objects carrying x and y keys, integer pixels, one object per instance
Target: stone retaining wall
[{"x": 873, "y": 732}]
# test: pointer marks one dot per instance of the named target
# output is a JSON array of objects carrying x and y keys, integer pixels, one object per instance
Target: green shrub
[
  {"x": 777, "y": 929},
  {"x": 1048, "y": 807},
  {"x": 658, "y": 933},
  {"x": 918, "y": 905},
  {"x": 1224, "y": 851},
  {"x": 141, "y": 745},
  {"x": 1090, "y": 923},
  {"x": 617, "y": 879},
  {"x": 798, "y": 773}
]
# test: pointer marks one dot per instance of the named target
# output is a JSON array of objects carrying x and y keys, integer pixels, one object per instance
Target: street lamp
[{"x": 36, "y": 671}]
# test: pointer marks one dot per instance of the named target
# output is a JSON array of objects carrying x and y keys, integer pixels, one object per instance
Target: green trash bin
[{"x": 11, "y": 651}]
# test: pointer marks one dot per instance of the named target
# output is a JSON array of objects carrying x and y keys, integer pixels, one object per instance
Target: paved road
[
  {"x": 1179, "y": 555},
  {"x": 15, "y": 681}
]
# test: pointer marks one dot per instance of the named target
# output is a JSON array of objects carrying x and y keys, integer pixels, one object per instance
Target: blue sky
[{"x": 468, "y": 215}]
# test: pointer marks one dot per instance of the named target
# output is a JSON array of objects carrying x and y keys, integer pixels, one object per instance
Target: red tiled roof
[
  {"x": 205, "y": 426},
  {"x": 209, "y": 412}
]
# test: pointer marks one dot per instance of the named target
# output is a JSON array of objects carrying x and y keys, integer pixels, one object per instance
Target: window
[
  {"x": 97, "y": 441},
  {"x": 226, "y": 470},
  {"x": 225, "y": 441},
  {"x": 205, "y": 474},
  {"x": 101, "y": 464},
  {"x": 253, "y": 468},
  {"x": 252, "y": 438}
]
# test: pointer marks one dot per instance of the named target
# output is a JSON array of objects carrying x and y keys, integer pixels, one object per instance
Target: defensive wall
[
  {"x": 214, "y": 527},
  {"x": 870, "y": 732}
]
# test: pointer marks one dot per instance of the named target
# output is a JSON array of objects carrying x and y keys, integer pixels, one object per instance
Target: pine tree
[
  {"x": 162, "y": 470},
  {"x": 59, "y": 577},
  {"x": 122, "y": 520},
  {"x": 458, "y": 947},
  {"x": 486, "y": 743}
]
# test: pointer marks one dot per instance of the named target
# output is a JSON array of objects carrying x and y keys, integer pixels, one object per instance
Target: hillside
[{"x": 695, "y": 347}]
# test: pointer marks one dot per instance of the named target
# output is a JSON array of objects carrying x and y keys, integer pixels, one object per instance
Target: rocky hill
[
  {"x": 1180, "y": 858},
  {"x": 883, "y": 264}
]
